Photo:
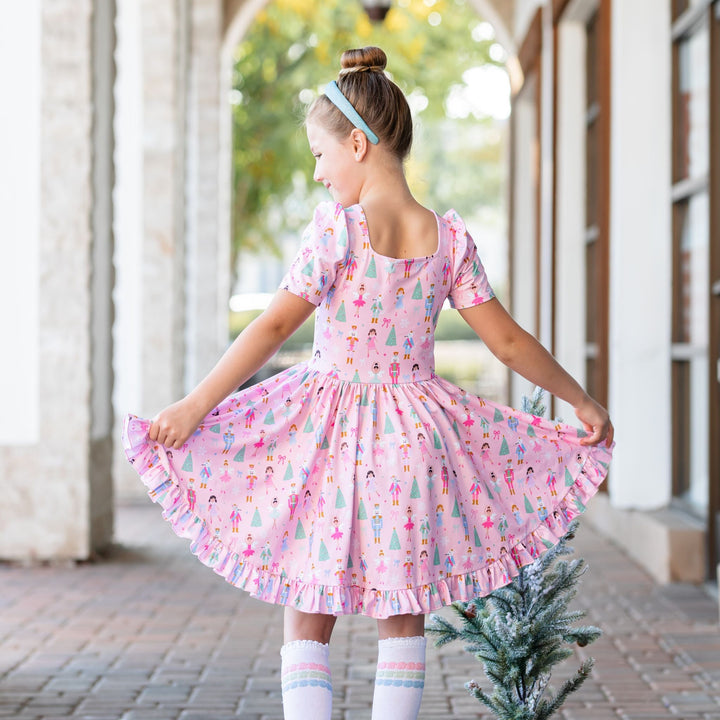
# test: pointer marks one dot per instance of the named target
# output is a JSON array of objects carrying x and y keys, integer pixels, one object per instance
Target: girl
[{"x": 373, "y": 235}]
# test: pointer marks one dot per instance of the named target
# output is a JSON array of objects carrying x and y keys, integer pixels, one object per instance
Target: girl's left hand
[{"x": 596, "y": 422}]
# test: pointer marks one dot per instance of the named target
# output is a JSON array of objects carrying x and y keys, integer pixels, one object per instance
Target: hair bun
[{"x": 367, "y": 59}]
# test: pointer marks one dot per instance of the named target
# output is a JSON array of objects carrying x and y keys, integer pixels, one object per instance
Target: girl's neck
[{"x": 387, "y": 189}]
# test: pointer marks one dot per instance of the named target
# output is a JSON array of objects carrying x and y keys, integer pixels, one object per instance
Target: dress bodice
[{"x": 376, "y": 315}]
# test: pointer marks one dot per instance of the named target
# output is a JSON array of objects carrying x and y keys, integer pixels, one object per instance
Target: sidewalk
[{"x": 151, "y": 634}]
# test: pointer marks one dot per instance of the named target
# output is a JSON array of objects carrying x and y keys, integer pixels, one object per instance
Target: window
[
  {"x": 691, "y": 235},
  {"x": 596, "y": 206}
]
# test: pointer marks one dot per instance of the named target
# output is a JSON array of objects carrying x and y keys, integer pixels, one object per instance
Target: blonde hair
[{"x": 377, "y": 99}]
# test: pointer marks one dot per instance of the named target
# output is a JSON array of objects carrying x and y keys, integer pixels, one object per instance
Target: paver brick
[{"x": 150, "y": 634}]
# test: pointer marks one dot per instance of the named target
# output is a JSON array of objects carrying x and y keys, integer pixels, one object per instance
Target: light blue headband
[{"x": 335, "y": 96}]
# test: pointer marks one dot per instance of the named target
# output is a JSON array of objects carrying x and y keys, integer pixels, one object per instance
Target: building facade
[
  {"x": 114, "y": 224},
  {"x": 615, "y": 249}
]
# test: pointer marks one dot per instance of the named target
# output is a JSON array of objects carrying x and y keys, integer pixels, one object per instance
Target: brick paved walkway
[{"x": 150, "y": 634}]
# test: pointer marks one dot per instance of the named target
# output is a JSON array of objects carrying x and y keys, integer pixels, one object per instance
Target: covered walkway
[{"x": 150, "y": 634}]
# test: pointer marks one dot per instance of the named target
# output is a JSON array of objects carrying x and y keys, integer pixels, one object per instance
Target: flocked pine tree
[{"x": 521, "y": 631}]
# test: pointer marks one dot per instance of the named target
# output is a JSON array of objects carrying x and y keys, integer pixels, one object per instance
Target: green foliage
[
  {"x": 293, "y": 48},
  {"x": 450, "y": 326},
  {"x": 301, "y": 339},
  {"x": 535, "y": 404},
  {"x": 520, "y": 631}
]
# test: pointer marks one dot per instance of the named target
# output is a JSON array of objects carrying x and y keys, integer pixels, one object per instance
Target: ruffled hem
[{"x": 280, "y": 589}]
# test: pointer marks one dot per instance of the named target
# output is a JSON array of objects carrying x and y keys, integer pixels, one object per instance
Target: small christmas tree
[{"x": 520, "y": 631}]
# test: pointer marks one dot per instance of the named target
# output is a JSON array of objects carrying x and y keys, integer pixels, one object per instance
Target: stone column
[
  {"x": 149, "y": 360},
  {"x": 55, "y": 476},
  {"x": 208, "y": 247},
  {"x": 570, "y": 199},
  {"x": 640, "y": 254}
]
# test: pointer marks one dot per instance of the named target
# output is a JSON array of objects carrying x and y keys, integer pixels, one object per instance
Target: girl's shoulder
[
  {"x": 455, "y": 224},
  {"x": 328, "y": 227},
  {"x": 328, "y": 212}
]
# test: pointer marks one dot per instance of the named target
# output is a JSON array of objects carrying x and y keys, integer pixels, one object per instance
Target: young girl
[{"x": 377, "y": 242}]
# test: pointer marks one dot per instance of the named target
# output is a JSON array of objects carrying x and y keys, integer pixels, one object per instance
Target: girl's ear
[{"x": 359, "y": 144}]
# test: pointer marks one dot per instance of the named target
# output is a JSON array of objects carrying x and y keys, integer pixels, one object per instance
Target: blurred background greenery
[{"x": 446, "y": 60}]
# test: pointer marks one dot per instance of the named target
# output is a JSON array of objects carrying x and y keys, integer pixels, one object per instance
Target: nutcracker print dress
[{"x": 360, "y": 481}]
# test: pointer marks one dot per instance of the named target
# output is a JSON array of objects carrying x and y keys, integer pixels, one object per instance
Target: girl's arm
[
  {"x": 252, "y": 348},
  {"x": 521, "y": 352}
]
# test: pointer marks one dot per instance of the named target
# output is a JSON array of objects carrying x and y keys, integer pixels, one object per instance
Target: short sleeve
[
  {"x": 313, "y": 270},
  {"x": 470, "y": 285}
]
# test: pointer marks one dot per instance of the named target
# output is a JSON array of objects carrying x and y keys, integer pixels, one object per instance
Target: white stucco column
[
  {"x": 208, "y": 249},
  {"x": 570, "y": 200},
  {"x": 150, "y": 347},
  {"x": 56, "y": 234},
  {"x": 524, "y": 248},
  {"x": 640, "y": 254},
  {"x": 20, "y": 123}
]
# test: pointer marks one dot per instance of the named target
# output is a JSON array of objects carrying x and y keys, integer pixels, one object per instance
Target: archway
[{"x": 460, "y": 101}]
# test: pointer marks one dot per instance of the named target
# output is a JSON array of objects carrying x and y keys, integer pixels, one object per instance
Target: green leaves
[
  {"x": 293, "y": 48},
  {"x": 521, "y": 631}
]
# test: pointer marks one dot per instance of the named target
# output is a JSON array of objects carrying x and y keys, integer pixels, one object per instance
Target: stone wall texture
[{"x": 46, "y": 487}]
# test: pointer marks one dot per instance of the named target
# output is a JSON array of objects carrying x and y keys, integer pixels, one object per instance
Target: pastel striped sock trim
[
  {"x": 306, "y": 681},
  {"x": 306, "y": 675},
  {"x": 410, "y": 675},
  {"x": 401, "y": 666},
  {"x": 306, "y": 666}
]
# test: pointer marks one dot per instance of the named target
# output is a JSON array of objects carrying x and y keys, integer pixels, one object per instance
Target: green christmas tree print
[
  {"x": 391, "y": 339},
  {"x": 188, "y": 464},
  {"x": 323, "y": 554},
  {"x": 394, "y": 541},
  {"x": 300, "y": 531},
  {"x": 372, "y": 270},
  {"x": 362, "y": 513},
  {"x": 239, "y": 455},
  {"x": 418, "y": 291},
  {"x": 504, "y": 449},
  {"x": 340, "y": 499},
  {"x": 269, "y": 418},
  {"x": 340, "y": 316},
  {"x": 415, "y": 489},
  {"x": 256, "y": 521}
]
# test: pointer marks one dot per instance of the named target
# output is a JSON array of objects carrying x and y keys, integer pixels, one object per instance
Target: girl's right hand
[{"x": 175, "y": 424}]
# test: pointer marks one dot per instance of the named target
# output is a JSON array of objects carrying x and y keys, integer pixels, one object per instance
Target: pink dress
[{"x": 391, "y": 402}]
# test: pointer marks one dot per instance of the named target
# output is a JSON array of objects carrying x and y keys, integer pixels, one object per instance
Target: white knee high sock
[
  {"x": 400, "y": 678},
  {"x": 306, "y": 683}
]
